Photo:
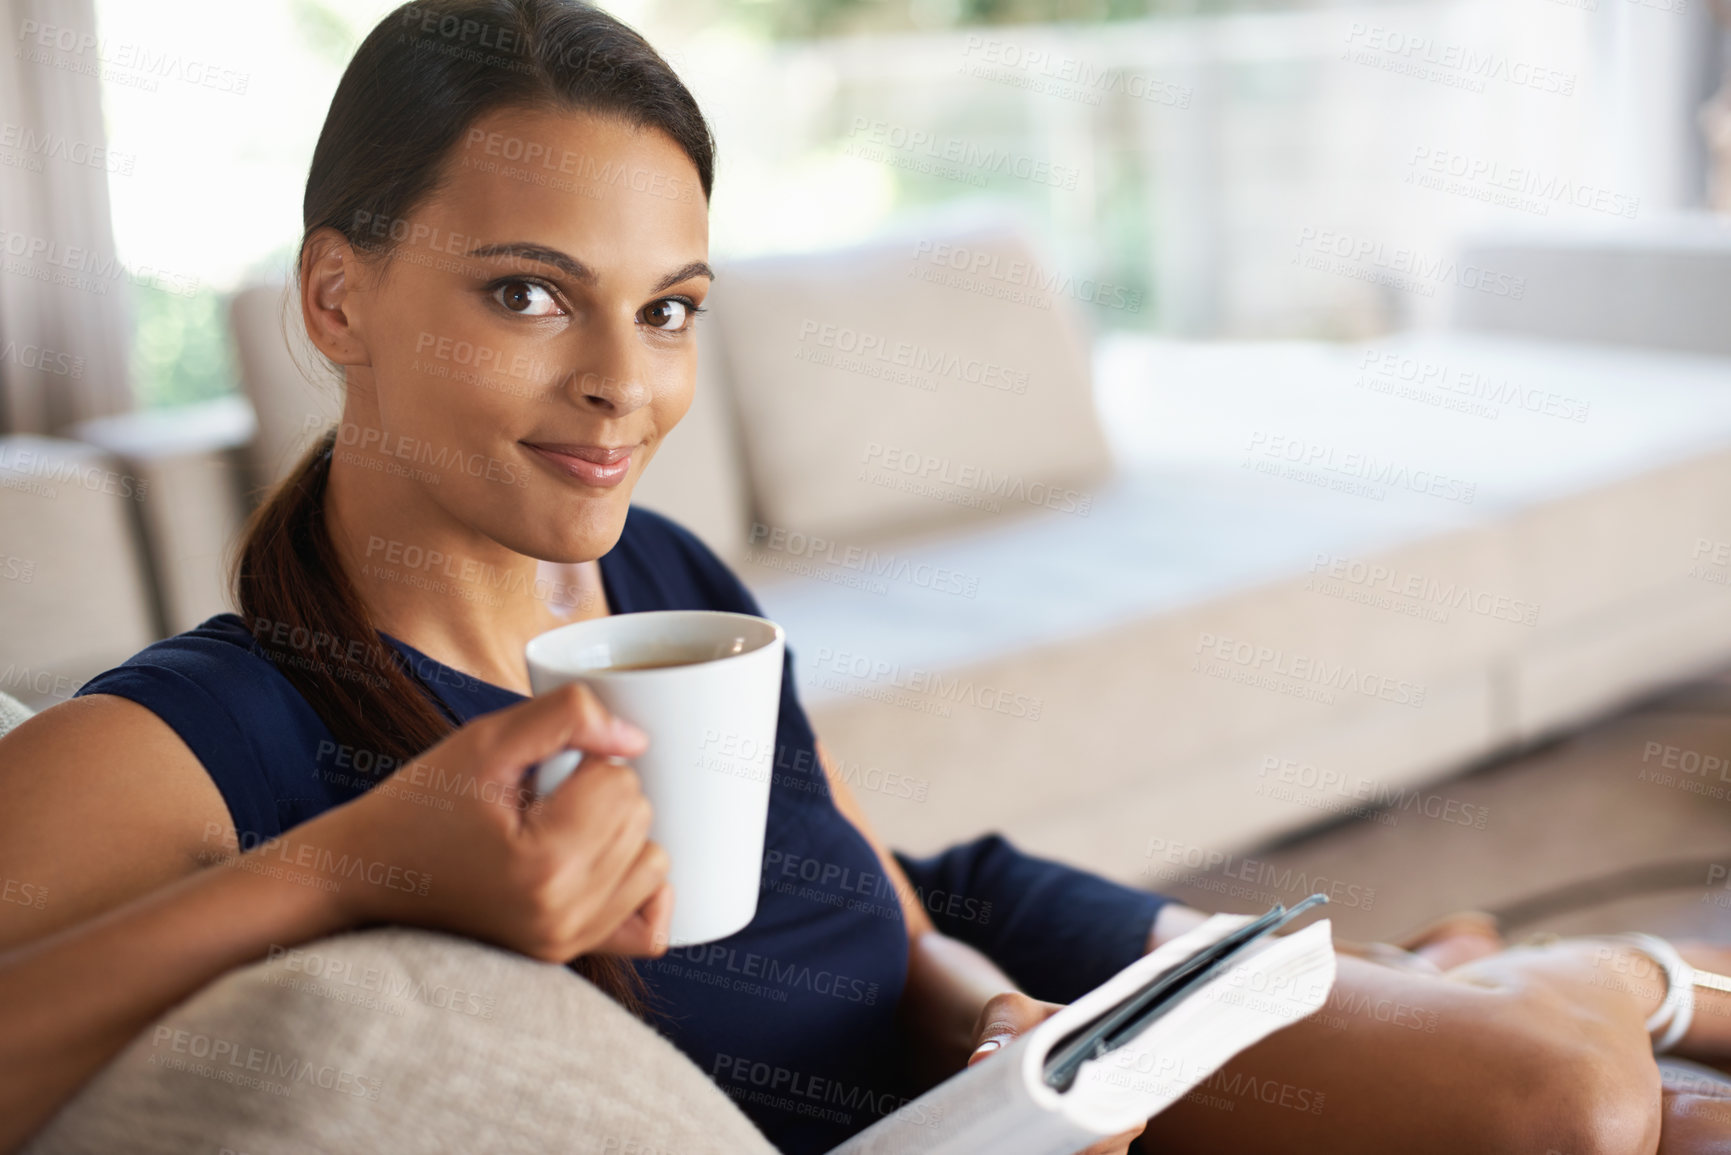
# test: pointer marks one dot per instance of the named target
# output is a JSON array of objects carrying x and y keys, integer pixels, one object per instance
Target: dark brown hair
[{"x": 415, "y": 86}]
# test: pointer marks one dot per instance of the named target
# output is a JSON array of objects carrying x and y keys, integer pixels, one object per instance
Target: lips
[
  {"x": 599, "y": 454},
  {"x": 598, "y": 465}
]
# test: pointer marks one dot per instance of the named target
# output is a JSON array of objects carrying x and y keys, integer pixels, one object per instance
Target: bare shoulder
[{"x": 100, "y": 802}]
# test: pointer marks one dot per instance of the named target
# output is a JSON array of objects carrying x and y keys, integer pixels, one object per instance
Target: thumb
[
  {"x": 989, "y": 1047},
  {"x": 1003, "y": 1019}
]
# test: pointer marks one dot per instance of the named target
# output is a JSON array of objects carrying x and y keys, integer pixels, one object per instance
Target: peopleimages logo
[
  {"x": 535, "y": 154},
  {"x": 1273, "y": 452},
  {"x": 867, "y": 562},
  {"x": 912, "y": 356},
  {"x": 1521, "y": 187},
  {"x": 1463, "y": 390},
  {"x": 969, "y": 266},
  {"x": 898, "y": 138},
  {"x": 1386, "y": 586},
  {"x": 43, "y": 360},
  {"x": 1457, "y": 65},
  {"x": 1070, "y": 77},
  {"x": 897, "y": 462},
  {"x": 83, "y": 268},
  {"x": 957, "y": 688},
  {"x": 750, "y": 973},
  {"x": 811, "y": 1095},
  {"x": 1275, "y": 668},
  {"x": 1395, "y": 800},
  {"x": 57, "y": 146},
  {"x": 1406, "y": 267},
  {"x": 112, "y": 60},
  {"x": 1189, "y": 862},
  {"x": 439, "y": 459}
]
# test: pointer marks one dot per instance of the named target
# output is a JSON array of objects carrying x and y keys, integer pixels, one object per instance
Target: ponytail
[{"x": 307, "y": 619}]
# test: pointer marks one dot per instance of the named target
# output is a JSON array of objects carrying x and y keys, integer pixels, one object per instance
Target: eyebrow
[
  {"x": 578, "y": 271},
  {"x": 684, "y": 273}
]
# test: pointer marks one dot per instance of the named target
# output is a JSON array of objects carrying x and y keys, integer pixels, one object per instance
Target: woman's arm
[
  {"x": 949, "y": 983},
  {"x": 574, "y": 875},
  {"x": 958, "y": 1006},
  {"x": 1522, "y": 1054},
  {"x": 1548, "y": 1046},
  {"x": 71, "y": 1001}
]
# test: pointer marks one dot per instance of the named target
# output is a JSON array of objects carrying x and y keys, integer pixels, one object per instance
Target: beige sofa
[
  {"x": 1138, "y": 602},
  {"x": 1228, "y": 590}
]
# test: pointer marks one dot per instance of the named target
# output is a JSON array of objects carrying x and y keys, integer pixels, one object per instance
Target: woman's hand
[
  {"x": 456, "y": 840},
  {"x": 1006, "y": 1016}
]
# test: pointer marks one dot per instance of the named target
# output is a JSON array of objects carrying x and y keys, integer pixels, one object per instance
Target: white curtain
[{"x": 65, "y": 302}]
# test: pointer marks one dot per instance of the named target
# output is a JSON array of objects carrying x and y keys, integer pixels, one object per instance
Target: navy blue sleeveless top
[{"x": 793, "y": 1016}]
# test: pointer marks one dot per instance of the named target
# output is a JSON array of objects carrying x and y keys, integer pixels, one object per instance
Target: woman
[{"x": 505, "y": 247}]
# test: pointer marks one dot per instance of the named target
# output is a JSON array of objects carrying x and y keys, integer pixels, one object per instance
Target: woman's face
[{"x": 538, "y": 309}]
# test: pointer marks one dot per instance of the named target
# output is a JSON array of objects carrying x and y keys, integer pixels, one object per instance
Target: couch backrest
[
  {"x": 1660, "y": 283},
  {"x": 927, "y": 378},
  {"x": 291, "y": 402}
]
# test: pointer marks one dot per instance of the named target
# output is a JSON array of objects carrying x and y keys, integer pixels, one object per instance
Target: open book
[{"x": 1126, "y": 1050}]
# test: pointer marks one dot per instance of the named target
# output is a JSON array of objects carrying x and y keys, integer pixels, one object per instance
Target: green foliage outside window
[
  {"x": 801, "y": 19},
  {"x": 181, "y": 351}
]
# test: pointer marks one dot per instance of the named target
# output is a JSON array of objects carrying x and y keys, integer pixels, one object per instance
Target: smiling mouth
[{"x": 596, "y": 465}]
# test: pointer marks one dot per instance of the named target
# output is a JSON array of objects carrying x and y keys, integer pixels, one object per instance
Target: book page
[
  {"x": 1003, "y": 1105},
  {"x": 986, "y": 1107},
  {"x": 1285, "y": 980}
]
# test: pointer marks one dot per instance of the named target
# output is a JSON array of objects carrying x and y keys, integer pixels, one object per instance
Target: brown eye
[
  {"x": 526, "y": 298},
  {"x": 668, "y": 313}
]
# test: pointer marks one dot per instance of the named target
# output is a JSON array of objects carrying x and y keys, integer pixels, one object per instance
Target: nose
[{"x": 611, "y": 385}]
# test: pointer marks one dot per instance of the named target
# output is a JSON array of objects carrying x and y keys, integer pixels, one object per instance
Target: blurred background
[{"x": 1359, "y": 518}]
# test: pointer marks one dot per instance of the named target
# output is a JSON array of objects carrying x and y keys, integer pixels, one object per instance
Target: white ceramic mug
[{"x": 711, "y": 718}]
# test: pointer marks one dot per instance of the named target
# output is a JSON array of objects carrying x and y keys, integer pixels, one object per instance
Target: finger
[
  {"x": 658, "y": 914},
  {"x": 1116, "y": 1145},
  {"x": 646, "y": 876},
  {"x": 644, "y": 934},
  {"x": 568, "y": 717},
  {"x": 1693, "y": 1124},
  {"x": 599, "y": 814}
]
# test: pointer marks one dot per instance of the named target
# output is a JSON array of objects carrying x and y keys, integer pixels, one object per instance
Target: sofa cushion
[
  {"x": 919, "y": 380},
  {"x": 293, "y": 390},
  {"x": 1278, "y": 572},
  {"x": 405, "y": 1041},
  {"x": 13, "y": 714},
  {"x": 1659, "y": 282}
]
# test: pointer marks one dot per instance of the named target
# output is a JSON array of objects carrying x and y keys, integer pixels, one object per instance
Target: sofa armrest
[
  {"x": 399, "y": 1040},
  {"x": 191, "y": 471}
]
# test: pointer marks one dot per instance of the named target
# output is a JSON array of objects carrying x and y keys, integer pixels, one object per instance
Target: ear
[{"x": 330, "y": 272}]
